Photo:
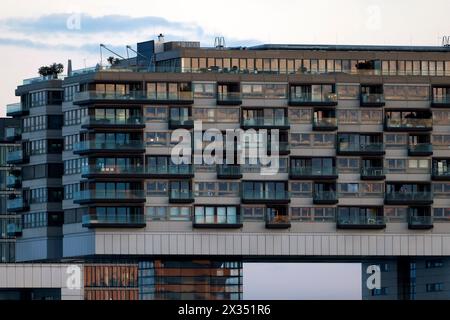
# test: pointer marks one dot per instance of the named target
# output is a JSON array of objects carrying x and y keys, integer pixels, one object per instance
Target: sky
[{"x": 40, "y": 32}]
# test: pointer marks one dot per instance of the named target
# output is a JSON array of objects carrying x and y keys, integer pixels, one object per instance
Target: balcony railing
[
  {"x": 325, "y": 197},
  {"x": 217, "y": 221},
  {"x": 409, "y": 197},
  {"x": 16, "y": 109},
  {"x": 282, "y": 148},
  {"x": 132, "y": 121},
  {"x": 257, "y": 196},
  {"x": 16, "y": 204},
  {"x": 229, "y": 171},
  {"x": 13, "y": 182},
  {"x": 14, "y": 229},
  {"x": 131, "y": 145},
  {"x": 13, "y": 134},
  {"x": 310, "y": 172},
  {"x": 181, "y": 196},
  {"x": 112, "y": 170},
  {"x": 265, "y": 122},
  {"x": 372, "y": 99},
  {"x": 171, "y": 170},
  {"x": 360, "y": 222},
  {"x": 181, "y": 123},
  {"x": 420, "y": 149},
  {"x": 113, "y": 195},
  {"x": 86, "y": 96},
  {"x": 364, "y": 148},
  {"x": 278, "y": 221},
  {"x": 441, "y": 173},
  {"x": 420, "y": 222},
  {"x": 372, "y": 173},
  {"x": 441, "y": 101},
  {"x": 307, "y": 98},
  {"x": 409, "y": 124},
  {"x": 111, "y": 221},
  {"x": 325, "y": 124},
  {"x": 229, "y": 98},
  {"x": 16, "y": 157}
]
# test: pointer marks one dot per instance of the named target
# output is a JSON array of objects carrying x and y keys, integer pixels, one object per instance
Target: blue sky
[{"x": 38, "y": 32}]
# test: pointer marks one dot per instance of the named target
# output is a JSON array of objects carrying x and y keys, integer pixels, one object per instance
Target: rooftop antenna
[
  {"x": 446, "y": 41},
  {"x": 106, "y": 48},
  {"x": 219, "y": 42}
]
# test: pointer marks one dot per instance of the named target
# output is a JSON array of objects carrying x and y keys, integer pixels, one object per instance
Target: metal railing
[
  {"x": 92, "y": 120},
  {"x": 109, "y": 195},
  {"x": 133, "y": 95},
  {"x": 364, "y": 147},
  {"x": 309, "y": 98},
  {"x": 361, "y": 220},
  {"x": 409, "y": 196},
  {"x": 372, "y": 172},
  {"x": 409, "y": 123},
  {"x": 113, "y": 219},
  {"x": 372, "y": 98},
  {"x": 266, "y": 196},
  {"x": 108, "y": 145},
  {"x": 266, "y": 122},
  {"x": 314, "y": 172}
]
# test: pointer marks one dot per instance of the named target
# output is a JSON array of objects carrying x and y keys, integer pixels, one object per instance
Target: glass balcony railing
[
  {"x": 278, "y": 220},
  {"x": 105, "y": 170},
  {"x": 108, "y": 145},
  {"x": 181, "y": 195},
  {"x": 408, "y": 196},
  {"x": 420, "y": 221},
  {"x": 360, "y": 221},
  {"x": 329, "y": 98},
  {"x": 15, "y": 108},
  {"x": 91, "y": 121},
  {"x": 229, "y": 170},
  {"x": 132, "y": 96},
  {"x": 282, "y": 147},
  {"x": 420, "y": 148},
  {"x": 217, "y": 219},
  {"x": 15, "y": 156},
  {"x": 14, "y": 229},
  {"x": 265, "y": 122},
  {"x": 16, "y": 204},
  {"x": 372, "y": 172},
  {"x": 13, "y": 182},
  {"x": 441, "y": 173},
  {"x": 182, "y": 169},
  {"x": 409, "y": 123},
  {"x": 441, "y": 100},
  {"x": 325, "y": 196},
  {"x": 324, "y": 123},
  {"x": 313, "y": 172},
  {"x": 361, "y": 148},
  {"x": 114, "y": 220},
  {"x": 372, "y": 99},
  {"x": 13, "y": 133},
  {"x": 229, "y": 97},
  {"x": 86, "y": 195},
  {"x": 265, "y": 196},
  {"x": 182, "y": 122}
]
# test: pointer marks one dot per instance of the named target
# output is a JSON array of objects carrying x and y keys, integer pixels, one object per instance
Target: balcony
[
  {"x": 183, "y": 196},
  {"x": 229, "y": 99},
  {"x": 325, "y": 124},
  {"x": 309, "y": 173},
  {"x": 325, "y": 197},
  {"x": 116, "y": 221},
  {"x": 16, "y": 110},
  {"x": 280, "y": 197},
  {"x": 420, "y": 222},
  {"x": 373, "y": 173},
  {"x": 135, "y": 97},
  {"x": 281, "y": 123},
  {"x": 278, "y": 221},
  {"x": 440, "y": 174},
  {"x": 113, "y": 172},
  {"x": 372, "y": 100},
  {"x": 13, "y": 182},
  {"x": 364, "y": 149},
  {"x": 114, "y": 123},
  {"x": 441, "y": 102},
  {"x": 217, "y": 221},
  {"x": 107, "y": 196},
  {"x": 131, "y": 146},
  {"x": 361, "y": 222},
  {"x": 284, "y": 148},
  {"x": 420, "y": 149},
  {"x": 408, "y": 125},
  {"x": 408, "y": 198},
  {"x": 17, "y": 205},
  {"x": 13, "y": 134},
  {"x": 170, "y": 171},
  {"x": 229, "y": 171},
  {"x": 14, "y": 229},
  {"x": 16, "y": 157},
  {"x": 181, "y": 123},
  {"x": 305, "y": 99}
]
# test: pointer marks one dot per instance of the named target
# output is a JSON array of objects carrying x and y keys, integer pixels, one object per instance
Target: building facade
[{"x": 364, "y": 136}]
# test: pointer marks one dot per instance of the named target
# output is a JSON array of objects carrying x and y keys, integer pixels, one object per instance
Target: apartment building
[{"x": 364, "y": 155}]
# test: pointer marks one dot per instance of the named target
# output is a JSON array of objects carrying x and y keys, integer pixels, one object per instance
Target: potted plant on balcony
[{"x": 52, "y": 71}]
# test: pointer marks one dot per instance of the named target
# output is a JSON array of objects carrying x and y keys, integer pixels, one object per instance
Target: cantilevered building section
[{"x": 364, "y": 166}]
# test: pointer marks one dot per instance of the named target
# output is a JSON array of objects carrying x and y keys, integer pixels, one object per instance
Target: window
[
  {"x": 301, "y": 189},
  {"x": 75, "y": 166},
  {"x": 348, "y": 91},
  {"x": 253, "y": 212},
  {"x": 300, "y": 139},
  {"x": 216, "y": 215},
  {"x": 70, "y": 190},
  {"x": 75, "y": 117},
  {"x": 379, "y": 292},
  {"x": 157, "y": 188},
  {"x": 300, "y": 115},
  {"x": 431, "y": 264},
  {"x": 395, "y": 165},
  {"x": 157, "y": 139},
  {"x": 441, "y": 214},
  {"x": 70, "y": 141},
  {"x": 435, "y": 287},
  {"x": 348, "y": 164},
  {"x": 155, "y": 114}
]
